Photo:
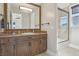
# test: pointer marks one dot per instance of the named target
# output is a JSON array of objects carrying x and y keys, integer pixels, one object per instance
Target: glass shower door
[{"x": 62, "y": 25}]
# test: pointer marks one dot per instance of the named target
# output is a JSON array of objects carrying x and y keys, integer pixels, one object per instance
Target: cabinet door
[
  {"x": 6, "y": 47},
  {"x": 34, "y": 46},
  {"x": 22, "y": 47},
  {"x": 43, "y": 44},
  {"x": 0, "y": 48}
]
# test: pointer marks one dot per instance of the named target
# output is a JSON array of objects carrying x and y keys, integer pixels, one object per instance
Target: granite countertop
[{"x": 22, "y": 34}]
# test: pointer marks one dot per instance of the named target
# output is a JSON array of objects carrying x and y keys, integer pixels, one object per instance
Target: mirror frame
[{"x": 5, "y": 14}]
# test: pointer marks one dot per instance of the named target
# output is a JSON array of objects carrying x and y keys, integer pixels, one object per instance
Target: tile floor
[
  {"x": 64, "y": 50},
  {"x": 43, "y": 54}
]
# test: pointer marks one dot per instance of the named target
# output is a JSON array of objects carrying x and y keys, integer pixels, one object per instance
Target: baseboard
[
  {"x": 51, "y": 53},
  {"x": 74, "y": 46}
]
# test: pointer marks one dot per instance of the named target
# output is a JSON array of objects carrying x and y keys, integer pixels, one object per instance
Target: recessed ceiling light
[{"x": 25, "y": 8}]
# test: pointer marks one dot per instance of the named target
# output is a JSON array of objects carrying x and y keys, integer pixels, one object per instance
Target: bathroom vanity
[
  {"x": 24, "y": 44},
  {"x": 22, "y": 35}
]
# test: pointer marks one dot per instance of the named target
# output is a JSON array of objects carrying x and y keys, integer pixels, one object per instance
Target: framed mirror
[{"x": 23, "y": 16}]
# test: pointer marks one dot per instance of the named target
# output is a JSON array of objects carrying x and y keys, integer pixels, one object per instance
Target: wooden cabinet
[
  {"x": 34, "y": 47},
  {"x": 6, "y": 47},
  {"x": 23, "y": 45},
  {"x": 38, "y": 44},
  {"x": 43, "y": 43},
  {"x": 0, "y": 49}
]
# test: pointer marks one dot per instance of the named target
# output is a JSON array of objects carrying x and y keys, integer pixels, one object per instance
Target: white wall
[
  {"x": 49, "y": 15},
  {"x": 63, "y": 6}
]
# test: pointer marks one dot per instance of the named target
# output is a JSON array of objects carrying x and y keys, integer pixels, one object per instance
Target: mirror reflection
[{"x": 23, "y": 16}]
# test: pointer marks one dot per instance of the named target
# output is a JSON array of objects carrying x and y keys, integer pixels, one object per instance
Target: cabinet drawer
[
  {"x": 4, "y": 41},
  {"x": 34, "y": 37},
  {"x": 43, "y": 36}
]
